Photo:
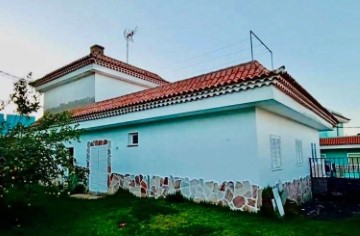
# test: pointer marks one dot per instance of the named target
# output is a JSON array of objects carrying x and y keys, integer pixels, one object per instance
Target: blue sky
[{"x": 317, "y": 41}]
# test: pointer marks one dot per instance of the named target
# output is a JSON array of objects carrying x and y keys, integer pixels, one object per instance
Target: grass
[{"x": 124, "y": 214}]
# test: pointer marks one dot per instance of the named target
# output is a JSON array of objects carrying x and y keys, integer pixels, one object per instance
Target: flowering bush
[{"x": 34, "y": 154}]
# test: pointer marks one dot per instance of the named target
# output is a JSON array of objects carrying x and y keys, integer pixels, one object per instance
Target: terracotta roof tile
[
  {"x": 249, "y": 71},
  {"x": 197, "y": 83},
  {"x": 346, "y": 140},
  {"x": 101, "y": 60}
]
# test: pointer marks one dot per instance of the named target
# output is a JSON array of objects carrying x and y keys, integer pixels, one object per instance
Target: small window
[
  {"x": 299, "y": 152},
  {"x": 275, "y": 148},
  {"x": 133, "y": 139}
]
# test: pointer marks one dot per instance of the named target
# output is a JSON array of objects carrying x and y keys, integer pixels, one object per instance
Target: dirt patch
[{"x": 330, "y": 209}]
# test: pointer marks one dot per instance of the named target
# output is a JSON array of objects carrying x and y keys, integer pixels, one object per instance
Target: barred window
[
  {"x": 299, "y": 152},
  {"x": 275, "y": 149}
]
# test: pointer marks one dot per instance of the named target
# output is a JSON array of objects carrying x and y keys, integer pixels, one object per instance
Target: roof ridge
[
  {"x": 92, "y": 58},
  {"x": 62, "y": 68},
  {"x": 137, "y": 69},
  {"x": 339, "y": 137},
  {"x": 227, "y": 68},
  {"x": 303, "y": 91},
  {"x": 171, "y": 86}
]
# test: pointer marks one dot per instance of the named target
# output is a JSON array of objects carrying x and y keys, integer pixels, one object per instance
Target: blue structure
[
  {"x": 11, "y": 120},
  {"x": 338, "y": 131}
]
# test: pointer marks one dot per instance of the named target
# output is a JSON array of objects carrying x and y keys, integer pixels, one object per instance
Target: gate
[{"x": 335, "y": 176}]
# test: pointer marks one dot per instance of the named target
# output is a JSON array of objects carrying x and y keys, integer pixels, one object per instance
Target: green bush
[
  {"x": 79, "y": 188},
  {"x": 266, "y": 208},
  {"x": 176, "y": 197},
  {"x": 78, "y": 180},
  {"x": 291, "y": 209}
]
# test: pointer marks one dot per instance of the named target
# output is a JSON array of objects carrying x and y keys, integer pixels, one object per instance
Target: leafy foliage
[
  {"x": 34, "y": 154},
  {"x": 78, "y": 180}
]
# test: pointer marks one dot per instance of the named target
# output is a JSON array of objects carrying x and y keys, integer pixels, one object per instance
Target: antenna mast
[
  {"x": 252, "y": 50},
  {"x": 128, "y": 35}
]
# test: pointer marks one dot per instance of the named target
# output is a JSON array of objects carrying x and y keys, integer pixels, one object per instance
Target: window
[
  {"x": 299, "y": 152},
  {"x": 133, "y": 139},
  {"x": 313, "y": 150},
  {"x": 353, "y": 158},
  {"x": 275, "y": 148}
]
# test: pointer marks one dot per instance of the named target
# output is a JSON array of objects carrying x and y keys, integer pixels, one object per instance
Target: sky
[{"x": 317, "y": 41}]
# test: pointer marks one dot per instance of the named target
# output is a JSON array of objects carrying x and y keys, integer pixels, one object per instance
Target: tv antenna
[
  {"x": 252, "y": 50},
  {"x": 128, "y": 35}
]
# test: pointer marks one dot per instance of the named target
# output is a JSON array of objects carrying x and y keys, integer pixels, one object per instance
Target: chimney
[{"x": 97, "y": 49}]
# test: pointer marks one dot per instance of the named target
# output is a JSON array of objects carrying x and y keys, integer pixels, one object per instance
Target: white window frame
[
  {"x": 353, "y": 153},
  {"x": 131, "y": 142},
  {"x": 275, "y": 152},
  {"x": 299, "y": 152}
]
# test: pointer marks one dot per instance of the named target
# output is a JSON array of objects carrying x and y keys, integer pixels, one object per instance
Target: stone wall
[
  {"x": 239, "y": 195},
  {"x": 298, "y": 190}
]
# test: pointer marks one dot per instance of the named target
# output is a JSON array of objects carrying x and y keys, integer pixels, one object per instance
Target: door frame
[{"x": 100, "y": 143}]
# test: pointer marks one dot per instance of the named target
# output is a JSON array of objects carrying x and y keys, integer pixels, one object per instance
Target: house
[
  {"x": 9, "y": 121},
  {"x": 220, "y": 137},
  {"x": 341, "y": 152},
  {"x": 334, "y": 143},
  {"x": 339, "y": 129}
]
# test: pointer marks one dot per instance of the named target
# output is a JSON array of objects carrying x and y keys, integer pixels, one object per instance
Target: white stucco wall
[
  {"x": 92, "y": 81},
  {"x": 270, "y": 124},
  {"x": 109, "y": 87},
  {"x": 219, "y": 146},
  {"x": 75, "y": 90}
]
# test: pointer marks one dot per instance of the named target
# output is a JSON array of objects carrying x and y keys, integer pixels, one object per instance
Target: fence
[{"x": 335, "y": 175}]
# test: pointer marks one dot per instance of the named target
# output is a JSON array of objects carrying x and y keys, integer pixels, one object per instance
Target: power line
[
  {"x": 9, "y": 76},
  {"x": 207, "y": 60},
  {"x": 215, "y": 67},
  {"x": 218, "y": 49},
  {"x": 13, "y": 77},
  {"x": 218, "y": 57},
  {"x": 211, "y": 52},
  {"x": 229, "y": 63}
]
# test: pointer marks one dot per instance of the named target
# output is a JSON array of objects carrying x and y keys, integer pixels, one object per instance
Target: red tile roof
[
  {"x": 206, "y": 81},
  {"x": 102, "y": 60},
  {"x": 346, "y": 140},
  {"x": 247, "y": 72}
]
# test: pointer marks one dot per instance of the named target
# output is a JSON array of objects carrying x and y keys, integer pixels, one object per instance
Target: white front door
[{"x": 98, "y": 176}]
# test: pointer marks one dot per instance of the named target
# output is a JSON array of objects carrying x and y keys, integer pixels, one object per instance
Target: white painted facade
[
  {"x": 210, "y": 146},
  {"x": 89, "y": 84},
  {"x": 219, "y": 134},
  {"x": 220, "y": 138},
  {"x": 107, "y": 87},
  {"x": 76, "y": 90},
  {"x": 289, "y": 131}
]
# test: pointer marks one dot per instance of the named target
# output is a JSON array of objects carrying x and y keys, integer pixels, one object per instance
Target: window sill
[{"x": 133, "y": 145}]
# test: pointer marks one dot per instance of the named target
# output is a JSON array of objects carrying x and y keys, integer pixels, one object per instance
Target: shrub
[
  {"x": 266, "y": 208},
  {"x": 176, "y": 197},
  {"x": 79, "y": 188}
]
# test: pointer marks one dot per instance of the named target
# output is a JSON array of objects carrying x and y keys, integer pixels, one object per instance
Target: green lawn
[{"x": 123, "y": 214}]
